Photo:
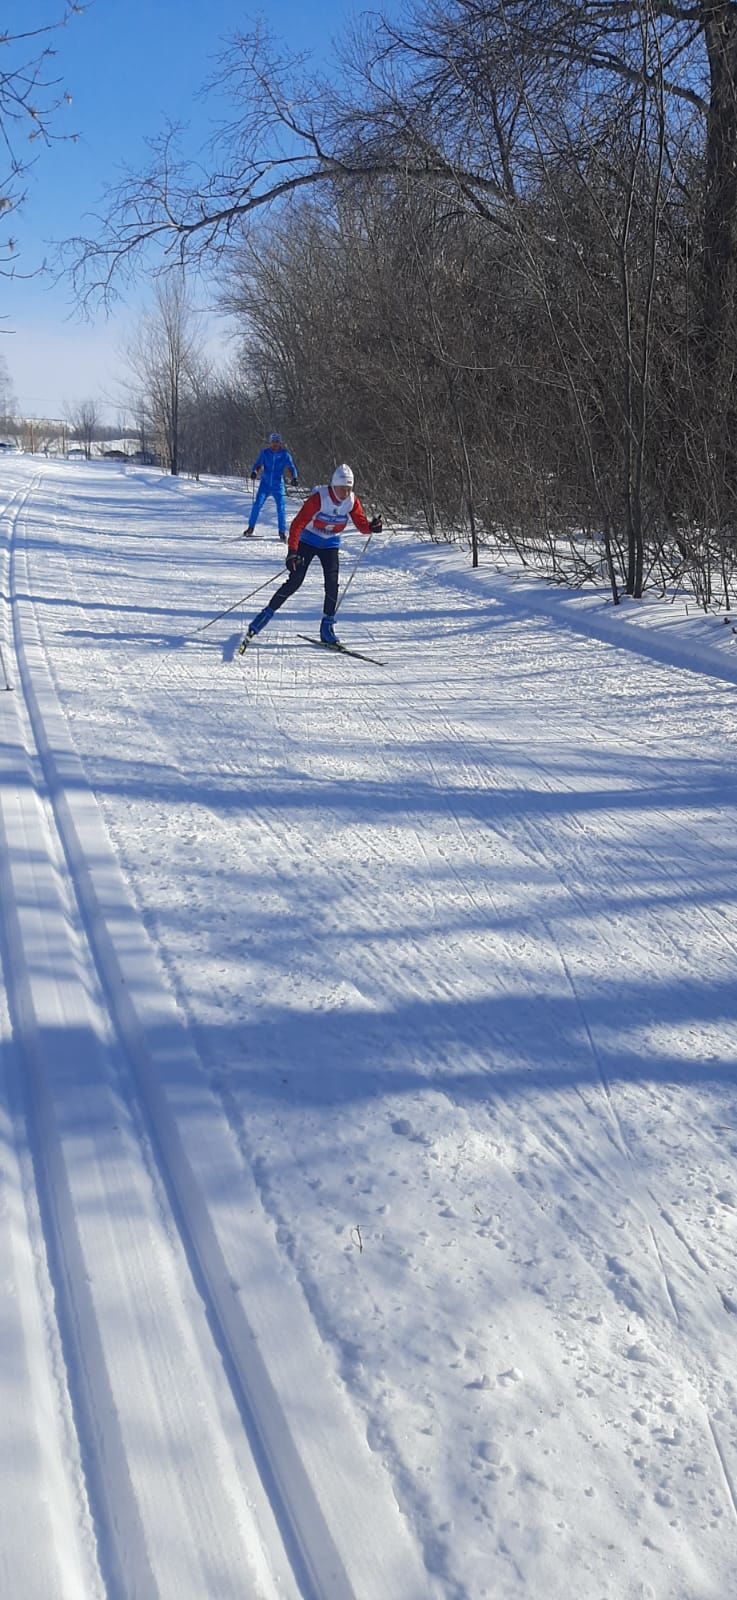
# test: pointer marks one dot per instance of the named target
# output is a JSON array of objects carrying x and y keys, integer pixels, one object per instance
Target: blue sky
[{"x": 128, "y": 65}]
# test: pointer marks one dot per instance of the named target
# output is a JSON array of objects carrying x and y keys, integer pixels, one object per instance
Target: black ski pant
[{"x": 329, "y": 561}]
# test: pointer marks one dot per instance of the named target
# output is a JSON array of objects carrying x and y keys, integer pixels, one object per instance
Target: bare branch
[{"x": 30, "y": 99}]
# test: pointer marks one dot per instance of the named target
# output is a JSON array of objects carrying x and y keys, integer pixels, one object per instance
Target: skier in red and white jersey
[{"x": 316, "y": 531}]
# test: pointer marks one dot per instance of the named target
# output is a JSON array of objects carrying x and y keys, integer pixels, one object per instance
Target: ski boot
[
  {"x": 327, "y": 631},
  {"x": 255, "y": 627}
]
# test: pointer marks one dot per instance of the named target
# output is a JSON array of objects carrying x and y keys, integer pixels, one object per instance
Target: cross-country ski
[{"x": 338, "y": 648}]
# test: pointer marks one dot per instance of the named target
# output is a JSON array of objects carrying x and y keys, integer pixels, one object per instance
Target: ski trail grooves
[
  {"x": 42, "y": 1458},
  {"x": 85, "y": 993},
  {"x": 121, "y": 1341},
  {"x": 41, "y": 1466}
]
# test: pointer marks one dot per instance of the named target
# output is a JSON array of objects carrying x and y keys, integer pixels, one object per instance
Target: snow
[{"x": 368, "y": 1121}]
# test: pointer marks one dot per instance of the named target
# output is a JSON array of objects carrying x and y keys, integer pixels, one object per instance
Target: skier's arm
[
  {"x": 359, "y": 518},
  {"x": 304, "y": 515},
  {"x": 289, "y": 463}
]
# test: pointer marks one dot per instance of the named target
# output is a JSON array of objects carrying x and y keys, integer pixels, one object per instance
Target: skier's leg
[
  {"x": 330, "y": 561},
  {"x": 280, "y": 499},
  {"x": 256, "y": 507},
  {"x": 293, "y": 583},
  {"x": 296, "y": 578}
]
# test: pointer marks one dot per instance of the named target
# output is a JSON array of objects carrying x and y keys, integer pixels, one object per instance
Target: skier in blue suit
[{"x": 272, "y": 463}]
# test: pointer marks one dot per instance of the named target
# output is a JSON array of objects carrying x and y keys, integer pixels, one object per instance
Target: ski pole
[
  {"x": 237, "y": 603},
  {"x": 356, "y": 566}
]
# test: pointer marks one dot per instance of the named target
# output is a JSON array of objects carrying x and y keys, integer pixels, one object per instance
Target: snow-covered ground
[{"x": 368, "y": 1072}]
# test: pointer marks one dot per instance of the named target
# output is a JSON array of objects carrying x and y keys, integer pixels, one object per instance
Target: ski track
[
  {"x": 677, "y": 1323},
  {"x": 109, "y": 1406},
  {"x": 173, "y": 1438}
]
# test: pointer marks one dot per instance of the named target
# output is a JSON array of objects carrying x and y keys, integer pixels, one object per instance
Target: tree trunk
[{"x": 720, "y": 204}]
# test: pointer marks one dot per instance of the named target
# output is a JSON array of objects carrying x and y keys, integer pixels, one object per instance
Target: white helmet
[{"x": 342, "y": 478}]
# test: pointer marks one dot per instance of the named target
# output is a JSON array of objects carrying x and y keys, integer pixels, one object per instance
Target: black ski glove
[
  {"x": 253, "y": 475},
  {"x": 376, "y": 525},
  {"x": 293, "y": 560}
]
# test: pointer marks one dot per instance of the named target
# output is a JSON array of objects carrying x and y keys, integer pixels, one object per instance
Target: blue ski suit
[{"x": 273, "y": 464}]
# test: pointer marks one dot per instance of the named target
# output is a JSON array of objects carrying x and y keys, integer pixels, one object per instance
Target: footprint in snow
[{"x": 404, "y": 1128}]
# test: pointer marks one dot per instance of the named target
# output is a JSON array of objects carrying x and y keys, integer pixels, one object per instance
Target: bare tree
[
  {"x": 30, "y": 98},
  {"x": 7, "y": 397},
  {"x": 446, "y": 101},
  {"x": 282, "y": 142},
  {"x": 164, "y": 358},
  {"x": 83, "y": 421}
]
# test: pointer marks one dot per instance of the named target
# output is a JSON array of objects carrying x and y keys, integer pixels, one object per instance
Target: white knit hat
[{"x": 342, "y": 477}]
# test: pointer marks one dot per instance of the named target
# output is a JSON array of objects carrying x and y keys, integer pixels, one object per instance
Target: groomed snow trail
[
  {"x": 370, "y": 1059},
  {"x": 156, "y": 1404}
]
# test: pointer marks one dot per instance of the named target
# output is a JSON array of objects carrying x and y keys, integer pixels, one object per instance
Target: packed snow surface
[{"x": 368, "y": 1070}]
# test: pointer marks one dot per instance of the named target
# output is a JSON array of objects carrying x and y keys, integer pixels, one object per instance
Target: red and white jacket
[{"x": 324, "y": 517}]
